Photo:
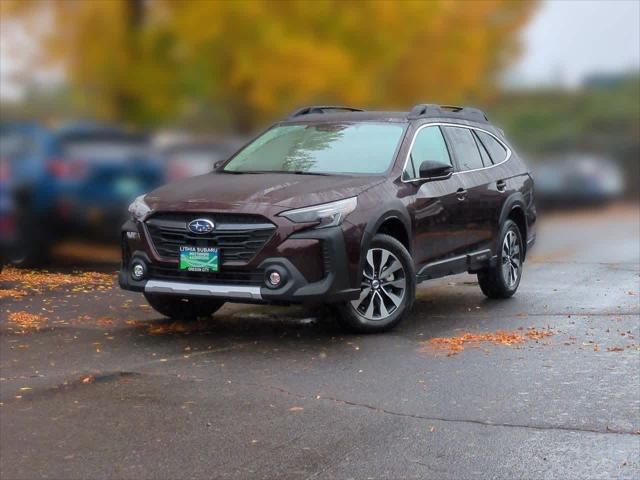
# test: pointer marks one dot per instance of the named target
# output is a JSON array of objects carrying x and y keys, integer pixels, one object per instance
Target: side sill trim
[
  {"x": 453, "y": 265},
  {"x": 205, "y": 290}
]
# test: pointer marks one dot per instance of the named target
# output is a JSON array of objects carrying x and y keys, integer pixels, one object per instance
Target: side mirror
[
  {"x": 434, "y": 170},
  {"x": 218, "y": 164}
]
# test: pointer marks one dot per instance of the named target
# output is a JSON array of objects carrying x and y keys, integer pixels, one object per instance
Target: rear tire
[
  {"x": 33, "y": 248},
  {"x": 182, "y": 308},
  {"x": 388, "y": 287},
  {"x": 31, "y": 254},
  {"x": 502, "y": 279}
]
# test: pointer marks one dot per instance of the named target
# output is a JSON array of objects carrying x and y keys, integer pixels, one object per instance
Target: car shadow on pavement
[{"x": 436, "y": 312}]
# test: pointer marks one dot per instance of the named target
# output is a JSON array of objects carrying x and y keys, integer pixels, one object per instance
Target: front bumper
[
  {"x": 334, "y": 286},
  {"x": 234, "y": 292}
]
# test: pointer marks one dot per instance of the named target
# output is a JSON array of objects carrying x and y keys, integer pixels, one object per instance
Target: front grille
[
  {"x": 226, "y": 277},
  {"x": 238, "y": 236}
]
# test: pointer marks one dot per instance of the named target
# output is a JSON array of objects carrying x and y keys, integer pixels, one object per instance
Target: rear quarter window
[{"x": 497, "y": 152}]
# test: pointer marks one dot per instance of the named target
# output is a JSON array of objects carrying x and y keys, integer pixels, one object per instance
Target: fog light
[
  {"x": 138, "y": 271},
  {"x": 274, "y": 278}
]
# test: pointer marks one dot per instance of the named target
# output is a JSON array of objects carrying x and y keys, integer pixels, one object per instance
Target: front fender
[{"x": 394, "y": 209}]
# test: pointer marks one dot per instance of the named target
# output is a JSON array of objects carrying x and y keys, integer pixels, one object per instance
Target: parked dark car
[
  {"x": 578, "y": 179},
  {"x": 74, "y": 181},
  {"x": 338, "y": 206}
]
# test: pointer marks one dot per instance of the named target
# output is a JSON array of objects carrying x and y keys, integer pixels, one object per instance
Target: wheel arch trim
[
  {"x": 394, "y": 210},
  {"x": 514, "y": 202}
]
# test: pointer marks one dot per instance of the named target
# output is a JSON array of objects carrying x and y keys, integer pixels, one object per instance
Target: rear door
[
  {"x": 475, "y": 178},
  {"x": 499, "y": 186},
  {"x": 439, "y": 231}
]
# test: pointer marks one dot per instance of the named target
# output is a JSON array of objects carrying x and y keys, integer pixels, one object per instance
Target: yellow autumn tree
[{"x": 246, "y": 61}]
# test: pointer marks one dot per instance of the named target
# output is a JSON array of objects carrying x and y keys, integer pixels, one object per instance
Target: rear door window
[
  {"x": 429, "y": 145},
  {"x": 497, "y": 152},
  {"x": 486, "y": 159},
  {"x": 464, "y": 147}
]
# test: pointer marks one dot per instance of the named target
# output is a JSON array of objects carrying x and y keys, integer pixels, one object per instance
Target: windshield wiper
[
  {"x": 291, "y": 172},
  {"x": 303, "y": 172},
  {"x": 241, "y": 172}
]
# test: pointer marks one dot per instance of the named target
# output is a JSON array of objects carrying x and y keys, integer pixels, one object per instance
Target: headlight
[
  {"x": 139, "y": 209},
  {"x": 327, "y": 214}
]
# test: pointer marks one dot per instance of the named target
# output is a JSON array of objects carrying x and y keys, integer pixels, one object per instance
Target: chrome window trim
[{"x": 447, "y": 124}]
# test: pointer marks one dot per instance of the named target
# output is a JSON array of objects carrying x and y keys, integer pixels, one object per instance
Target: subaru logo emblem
[{"x": 201, "y": 226}]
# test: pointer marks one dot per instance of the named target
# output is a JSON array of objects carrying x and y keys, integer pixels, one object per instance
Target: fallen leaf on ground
[
  {"x": 11, "y": 293},
  {"x": 26, "y": 321},
  {"x": 456, "y": 344},
  {"x": 38, "y": 280},
  {"x": 105, "y": 321}
]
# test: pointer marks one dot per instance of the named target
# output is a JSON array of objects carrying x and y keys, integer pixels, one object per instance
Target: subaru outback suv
[{"x": 338, "y": 206}]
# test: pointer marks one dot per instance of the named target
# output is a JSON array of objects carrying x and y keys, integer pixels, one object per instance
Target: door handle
[
  {"x": 462, "y": 194},
  {"x": 501, "y": 185}
]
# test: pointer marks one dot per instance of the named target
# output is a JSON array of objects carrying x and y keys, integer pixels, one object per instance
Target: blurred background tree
[{"x": 239, "y": 64}]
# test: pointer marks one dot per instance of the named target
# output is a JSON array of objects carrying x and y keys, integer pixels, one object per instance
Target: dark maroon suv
[{"x": 338, "y": 206}]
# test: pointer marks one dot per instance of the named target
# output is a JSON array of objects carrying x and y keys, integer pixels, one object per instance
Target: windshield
[
  {"x": 356, "y": 148},
  {"x": 16, "y": 145}
]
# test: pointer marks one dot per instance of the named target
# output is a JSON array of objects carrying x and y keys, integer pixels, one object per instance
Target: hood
[{"x": 223, "y": 191}]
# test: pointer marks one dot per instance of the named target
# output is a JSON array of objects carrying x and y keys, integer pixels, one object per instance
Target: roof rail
[
  {"x": 434, "y": 110},
  {"x": 322, "y": 109}
]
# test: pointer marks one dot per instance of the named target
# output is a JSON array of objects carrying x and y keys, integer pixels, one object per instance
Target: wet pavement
[{"x": 94, "y": 384}]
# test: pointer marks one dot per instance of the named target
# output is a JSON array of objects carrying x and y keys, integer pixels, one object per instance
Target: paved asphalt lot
[{"x": 106, "y": 388}]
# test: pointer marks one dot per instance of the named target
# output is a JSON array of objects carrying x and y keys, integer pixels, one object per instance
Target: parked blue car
[
  {"x": 24, "y": 146},
  {"x": 75, "y": 181}
]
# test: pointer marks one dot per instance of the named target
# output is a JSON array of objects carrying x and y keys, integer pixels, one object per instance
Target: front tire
[
  {"x": 182, "y": 308},
  {"x": 502, "y": 279},
  {"x": 388, "y": 287}
]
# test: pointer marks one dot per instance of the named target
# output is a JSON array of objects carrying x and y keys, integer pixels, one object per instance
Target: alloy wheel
[
  {"x": 383, "y": 287},
  {"x": 511, "y": 261}
]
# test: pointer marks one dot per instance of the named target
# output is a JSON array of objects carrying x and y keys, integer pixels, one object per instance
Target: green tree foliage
[
  {"x": 599, "y": 119},
  {"x": 245, "y": 62}
]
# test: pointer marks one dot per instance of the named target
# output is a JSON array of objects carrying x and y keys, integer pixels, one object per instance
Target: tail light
[
  {"x": 176, "y": 172},
  {"x": 7, "y": 227},
  {"x": 67, "y": 169}
]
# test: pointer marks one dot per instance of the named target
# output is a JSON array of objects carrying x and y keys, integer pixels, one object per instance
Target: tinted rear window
[
  {"x": 465, "y": 148},
  {"x": 496, "y": 150},
  {"x": 16, "y": 145},
  {"x": 104, "y": 147}
]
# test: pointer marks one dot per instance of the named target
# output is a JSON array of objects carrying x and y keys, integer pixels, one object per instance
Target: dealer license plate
[{"x": 199, "y": 259}]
